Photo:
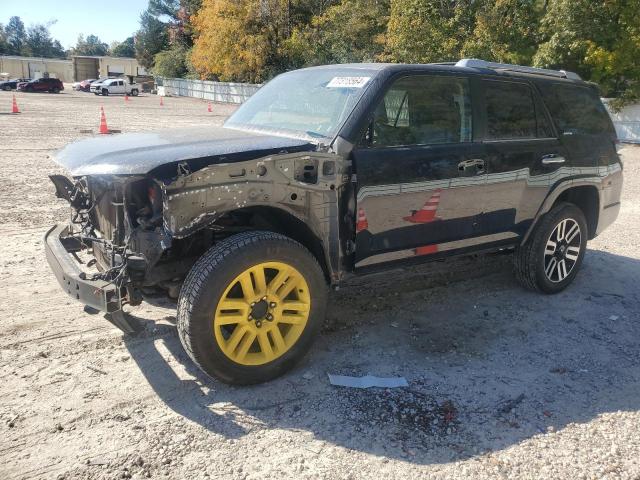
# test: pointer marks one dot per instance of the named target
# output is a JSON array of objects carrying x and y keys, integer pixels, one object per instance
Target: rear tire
[
  {"x": 134, "y": 92},
  {"x": 552, "y": 256},
  {"x": 6, "y": 88},
  {"x": 55, "y": 90},
  {"x": 275, "y": 297}
]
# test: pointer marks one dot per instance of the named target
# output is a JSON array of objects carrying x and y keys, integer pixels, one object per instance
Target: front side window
[
  {"x": 510, "y": 109},
  {"x": 423, "y": 110}
]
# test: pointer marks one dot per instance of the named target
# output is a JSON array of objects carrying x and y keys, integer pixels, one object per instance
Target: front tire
[
  {"x": 105, "y": 92},
  {"x": 552, "y": 256},
  {"x": 251, "y": 307}
]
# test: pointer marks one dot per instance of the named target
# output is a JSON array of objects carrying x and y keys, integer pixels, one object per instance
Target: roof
[{"x": 470, "y": 66}]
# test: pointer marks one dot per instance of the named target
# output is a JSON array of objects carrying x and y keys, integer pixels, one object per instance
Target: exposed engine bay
[{"x": 143, "y": 233}]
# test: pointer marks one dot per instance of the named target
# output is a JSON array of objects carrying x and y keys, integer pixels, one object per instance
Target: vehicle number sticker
[{"x": 348, "y": 82}]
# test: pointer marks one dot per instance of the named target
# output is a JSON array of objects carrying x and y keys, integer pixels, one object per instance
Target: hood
[{"x": 160, "y": 152}]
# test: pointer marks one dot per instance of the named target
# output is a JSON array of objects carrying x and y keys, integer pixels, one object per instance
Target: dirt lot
[{"x": 503, "y": 383}]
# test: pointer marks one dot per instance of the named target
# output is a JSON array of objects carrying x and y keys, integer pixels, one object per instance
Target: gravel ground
[{"x": 504, "y": 383}]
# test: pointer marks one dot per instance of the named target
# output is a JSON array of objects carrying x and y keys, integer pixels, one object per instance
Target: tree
[
  {"x": 171, "y": 63},
  {"x": 5, "y": 48},
  {"x": 151, "y": 39},
  {"x": 229, "y": 44},
  {"x": 351, "y": 31},
  {"x": 123, "y": 49},
  {"x": 177, "y": 14},
  {"x": 505, "y": 31},
  {"x": 16, "y": 35},
  {"x": 249, "y": 37},
  {"x": 423, "y": 31},
  {"x": 92, "y": 46},
  {"x": 38, "y": 43},
  {"x": 599, "y": 40}
]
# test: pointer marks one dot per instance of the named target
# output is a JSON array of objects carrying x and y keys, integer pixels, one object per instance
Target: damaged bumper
[{"x": 60, "y": 248}]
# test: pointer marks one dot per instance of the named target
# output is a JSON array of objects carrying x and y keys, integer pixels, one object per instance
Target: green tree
[
  {"x": 38, "y": 43},
  {"x": 150, "y": 39},
  {"x": 599, "y": 40},
  {"x": 350, "y": 31},
  {"x": 5, "y": 48},
  {"x": 423, "y": 31},
  {"x": 123, "y": 49},
  {"x": 172, "y": 63},
  {"x": 16, "y": 35},
  {"x": 505, "y": 31},
  {"x": 91, "y": 46}
]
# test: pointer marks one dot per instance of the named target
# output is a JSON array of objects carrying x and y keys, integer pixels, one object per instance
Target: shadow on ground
[{"x": 489, "y": 364}]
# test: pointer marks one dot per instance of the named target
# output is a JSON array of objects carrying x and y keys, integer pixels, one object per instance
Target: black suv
[{"x": 329, "y": 172}]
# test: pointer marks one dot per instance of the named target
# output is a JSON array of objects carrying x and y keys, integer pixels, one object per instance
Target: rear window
[
  {"x": 510, "y": 110},
  {"x": 576, "y": 110}
]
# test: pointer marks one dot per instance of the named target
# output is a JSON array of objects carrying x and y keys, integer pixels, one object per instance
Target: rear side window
[
  {"x": 576, "y": 110},
  {"x": 424, "y": 110},
  {"x": 511, "y": 112}
]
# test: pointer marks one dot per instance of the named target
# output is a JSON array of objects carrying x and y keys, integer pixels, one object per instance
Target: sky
[{"x": 110, "y": 20}]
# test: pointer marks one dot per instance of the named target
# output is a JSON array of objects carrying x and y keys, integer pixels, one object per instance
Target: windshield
[{"x": 310, "y": 103}]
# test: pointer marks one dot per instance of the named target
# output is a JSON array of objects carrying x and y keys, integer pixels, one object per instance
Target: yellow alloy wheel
[{"x": 262, "y": 313}]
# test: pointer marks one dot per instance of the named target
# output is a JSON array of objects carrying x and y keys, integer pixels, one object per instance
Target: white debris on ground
[{"x": 502, "y": 383}]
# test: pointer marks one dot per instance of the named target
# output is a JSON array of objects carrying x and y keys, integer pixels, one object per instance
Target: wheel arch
[
  {"x": 584, "y": 194},
  {"x": 279, "y": 220}
]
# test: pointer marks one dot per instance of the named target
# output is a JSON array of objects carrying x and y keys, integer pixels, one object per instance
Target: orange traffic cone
[
  {"x": 209, "y": 109},
  {"x": 161, "y": 102},
  {"x": 362, "y": 223},
  {"x": 103, "y": 122},
  {"x": 428, "y": 212},
  {"x": 426, "y": 250},
  {"x": 126, "y": 97},
  {"x": 14, "y": 106}
]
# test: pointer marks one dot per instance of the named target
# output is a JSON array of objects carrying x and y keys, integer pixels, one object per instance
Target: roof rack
[{"x": 476, "y": 63}]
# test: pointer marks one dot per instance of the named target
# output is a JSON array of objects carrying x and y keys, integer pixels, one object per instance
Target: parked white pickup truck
[{"x": 113, "y": 86}]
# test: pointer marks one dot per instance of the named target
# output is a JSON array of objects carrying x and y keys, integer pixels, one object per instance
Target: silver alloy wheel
[{"x": 562, "y": 250}]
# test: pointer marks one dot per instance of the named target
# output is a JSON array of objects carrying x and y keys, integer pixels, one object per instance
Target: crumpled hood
[{"x": 141, "y": 153}]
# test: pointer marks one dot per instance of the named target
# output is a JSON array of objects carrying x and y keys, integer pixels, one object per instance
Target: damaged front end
[{"x": 114, "y": 238}]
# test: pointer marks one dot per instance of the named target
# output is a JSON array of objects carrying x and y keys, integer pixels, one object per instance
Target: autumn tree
[{"x": 242, "y": 40}]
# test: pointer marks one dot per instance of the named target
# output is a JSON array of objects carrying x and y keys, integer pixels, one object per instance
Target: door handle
[
  {"x": 553, "y": 158},
  {"x": 475, "y": 162}
]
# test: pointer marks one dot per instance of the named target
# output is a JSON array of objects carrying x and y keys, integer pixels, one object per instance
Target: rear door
[
  {"x": 419, "y": 189},
  {"x": 522, "y": 154}
]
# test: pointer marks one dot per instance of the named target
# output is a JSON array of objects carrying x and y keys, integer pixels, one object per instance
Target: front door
[{"x": 419, "y": 185}]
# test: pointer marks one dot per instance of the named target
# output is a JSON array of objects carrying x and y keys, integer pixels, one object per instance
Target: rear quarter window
[{"x": 576, "y": 110}]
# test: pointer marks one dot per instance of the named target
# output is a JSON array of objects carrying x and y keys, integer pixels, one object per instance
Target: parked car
[
  {"x": 85, "y": 85},
  {"x": 117, "y": 86},
  {"x": 52, "y": 85},
  {"x": 330, "y": 172},
  {"x": 13, "y": 83},
  {"x": 75, "y": 86}
]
